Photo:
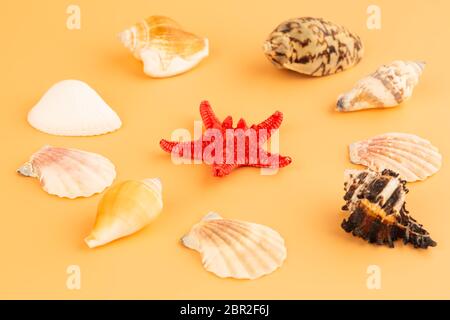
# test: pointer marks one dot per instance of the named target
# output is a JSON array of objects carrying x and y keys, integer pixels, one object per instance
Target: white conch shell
[
  {"x": 414, "y": 158},
  {"x": 73, "y": 108},
  {"x": 124, "y": 209},
  {"x": 69, "y": 173},
  {"x": 236, "y": 249},
  {"x": 164, "y": 47},
  {"x": 389, "y": 86}
]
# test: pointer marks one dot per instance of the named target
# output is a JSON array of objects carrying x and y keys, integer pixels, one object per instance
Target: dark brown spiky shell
[
  {"x": 313, "y": 46},
  {"x": 376, "y": 202}
]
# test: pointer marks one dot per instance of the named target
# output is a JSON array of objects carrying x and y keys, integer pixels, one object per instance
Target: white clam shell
[
  {"x": 236, "y": 249},
  {"x": 73, "y": 108},
  {"x": 387, "y": 87},
  {"x": 413, "y": 157},
  {"x": 69, "y": 173}
]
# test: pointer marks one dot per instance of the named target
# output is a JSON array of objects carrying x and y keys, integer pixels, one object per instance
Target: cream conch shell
[
  {"x": 164, "y": 47},
  {"x": 73, "y": 108},
  {"x": 236, "y": 249},
  {"x": 124, "y": 209},
  {"x": 387, "y": 87},
  {"x": 413, "y": 157},
  {"x": 69, "y": 173},
  {"x": 313, "y": 46}
]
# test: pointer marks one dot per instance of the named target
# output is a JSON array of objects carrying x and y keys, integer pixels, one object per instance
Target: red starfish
[{"x": 227, "y": 148}]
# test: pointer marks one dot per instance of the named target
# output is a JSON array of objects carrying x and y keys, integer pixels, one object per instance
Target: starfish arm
[
  {"x": 270, "y": 124},
  {"x": 221, "y": 170},
  {"x": 227, "y": 123},
  {"x": 167, "y": 146},
  {"x": 270, "y": 162},
  {"x": 284, "y": 161},
  {"x": 208, "y": 117},
  {"x": 242, "y": 124},
  {"x": 196, "y": 150}
]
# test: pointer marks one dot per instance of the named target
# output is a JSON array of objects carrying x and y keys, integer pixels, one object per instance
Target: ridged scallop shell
[
  {"x": 164, "y": 47},
  {"x": 124, "y": 209},
  {"x": 376, "y": 202},
  {"x": 236, "y": 249},
  {"x": 73, "y": 108},
  {"x": 313, "y": 46},
  {"x": 413, "y": 157},
  {"x": 387, "y": 87},
  {"x": 69, "y": 173}
]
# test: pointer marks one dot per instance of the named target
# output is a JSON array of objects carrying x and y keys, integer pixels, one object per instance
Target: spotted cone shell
[{"x": 313, "y": 46}]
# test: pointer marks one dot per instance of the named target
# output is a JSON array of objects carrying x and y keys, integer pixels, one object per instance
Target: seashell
[
  {"x": 164, "y": 47},
  {"x": 387, "y": 87},
  {"x": 413, "y": 157},
  {"x": 376, "y": 202},
  {"x": 313, "y": 46},
  {"x": 69, "y": 173},
  {"x": 124, "y": 209},
  {"x": 73, "y": 108},
  {"x": 236, "y": 249}
]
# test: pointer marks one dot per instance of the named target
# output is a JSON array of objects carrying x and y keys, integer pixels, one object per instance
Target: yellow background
[{"x": 40, "y": 235}]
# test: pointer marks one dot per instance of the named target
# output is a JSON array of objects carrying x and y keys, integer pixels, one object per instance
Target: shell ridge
[
  {"x": 394, "y": 164},
  {"x": 404, "y": 157},
  {"x": 408, "y": 139},
  {"x": 257, "y": 230},
  {"x": 81, "y": 166},
  {"x": 252, "y": 236},
  {"x": 245, "y": 263},
  {"x": 208, "y": 260}
]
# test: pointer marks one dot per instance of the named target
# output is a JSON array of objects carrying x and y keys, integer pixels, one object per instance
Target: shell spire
[{"x": 387, "y": 87}]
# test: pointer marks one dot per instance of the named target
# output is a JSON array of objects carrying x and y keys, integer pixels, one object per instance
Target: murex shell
[
  {"x": 236, "y": 249},
  {"x": 387, "y": 87},
  {"x": 69, "y": 173},
  {"x": 164, "y": 47},
  {"x": 124, "y": 209},
  {"x": 413, "y": 157},
  {"x": 376, "y": 202},
  {"x": 313, "y": 46},
  {"x": 73, "y": 108}
]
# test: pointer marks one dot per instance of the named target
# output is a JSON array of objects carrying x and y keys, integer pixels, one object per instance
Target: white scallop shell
[
  {"x": 414, "y": 158},
  {"x": 389, "y": 86},
  {"x": 69, "y": 173},
  {"x": 73, "y": 108},
  {"x": 236, "y": 249}
]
